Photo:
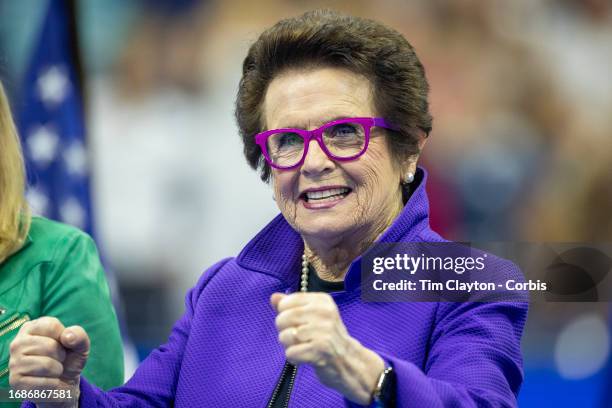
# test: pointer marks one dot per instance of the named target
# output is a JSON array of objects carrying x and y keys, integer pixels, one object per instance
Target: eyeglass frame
[{"x": 317, "y": 134}]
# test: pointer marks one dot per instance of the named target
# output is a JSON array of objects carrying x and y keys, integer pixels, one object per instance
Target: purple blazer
[{"x": 224, "y": 351}]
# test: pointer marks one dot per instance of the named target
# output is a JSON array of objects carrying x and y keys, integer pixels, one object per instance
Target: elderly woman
[
  {"x": 334, "y": 111},
  {"x": 49, "y": 269}
]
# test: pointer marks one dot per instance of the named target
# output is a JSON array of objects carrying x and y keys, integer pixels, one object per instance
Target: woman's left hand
[{"x": 312, "y": 332}]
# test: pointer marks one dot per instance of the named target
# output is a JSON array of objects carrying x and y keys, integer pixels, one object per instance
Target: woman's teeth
[{"x": 326, "y": 195}]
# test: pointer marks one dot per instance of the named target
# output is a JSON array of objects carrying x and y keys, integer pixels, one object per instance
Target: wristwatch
[{"x": 384, "y": 393}]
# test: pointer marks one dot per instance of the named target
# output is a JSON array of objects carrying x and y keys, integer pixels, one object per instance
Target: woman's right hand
[{"x": 45, "y": 355}]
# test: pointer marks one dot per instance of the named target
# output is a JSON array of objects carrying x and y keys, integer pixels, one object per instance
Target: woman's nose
[{"x": 316, "y": 161}]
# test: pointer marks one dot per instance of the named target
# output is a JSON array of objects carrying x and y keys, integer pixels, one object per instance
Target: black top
[{"x": 316, "y": 284}]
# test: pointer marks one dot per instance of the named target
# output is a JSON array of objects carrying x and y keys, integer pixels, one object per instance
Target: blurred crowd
[{"x": 521, "y": 95}]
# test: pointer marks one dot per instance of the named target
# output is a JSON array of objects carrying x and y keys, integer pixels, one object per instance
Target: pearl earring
[{"x": 409, "y": 177}]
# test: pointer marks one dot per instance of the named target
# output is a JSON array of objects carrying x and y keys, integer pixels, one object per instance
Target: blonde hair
[{"x": 14, "y": 211}]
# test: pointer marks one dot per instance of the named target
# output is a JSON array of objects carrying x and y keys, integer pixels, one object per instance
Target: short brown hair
[{"x": 327, "y": 38}]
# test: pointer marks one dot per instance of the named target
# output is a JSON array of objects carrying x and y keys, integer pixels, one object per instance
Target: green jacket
[{"x": 58, "y": 273}]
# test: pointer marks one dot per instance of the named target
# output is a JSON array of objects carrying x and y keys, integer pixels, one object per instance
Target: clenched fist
[
  {"x": 45, "y": 355},
  {"x": 312, "y": 332}
]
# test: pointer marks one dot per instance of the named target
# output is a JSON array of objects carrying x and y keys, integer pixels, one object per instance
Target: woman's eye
[
  {"x": 288, "y": 140},
  {"x": 343, "y": 130}
]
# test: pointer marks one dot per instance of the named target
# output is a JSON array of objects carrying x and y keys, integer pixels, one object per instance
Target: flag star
[
  {"x": 42, "y": 144},
  {"x": 38, "y": 200},
  {"x": 73, "y": 213},
  {"x": 75, "y": 158},
  {"x": 53, "y": 85}
]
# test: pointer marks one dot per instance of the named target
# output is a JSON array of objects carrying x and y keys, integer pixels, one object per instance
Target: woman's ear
[
  {"x": 408, "y": 168},
  {"x": 422, "y": 136}
]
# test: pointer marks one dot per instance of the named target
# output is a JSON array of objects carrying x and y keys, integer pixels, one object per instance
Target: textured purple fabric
[{"x": 224, "y": 351}]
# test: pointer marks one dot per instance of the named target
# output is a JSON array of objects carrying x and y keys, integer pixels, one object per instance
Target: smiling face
[{"x": 313, "y": 197}]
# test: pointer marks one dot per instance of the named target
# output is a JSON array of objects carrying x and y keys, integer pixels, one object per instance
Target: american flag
[{"x": 51, "y": 123}]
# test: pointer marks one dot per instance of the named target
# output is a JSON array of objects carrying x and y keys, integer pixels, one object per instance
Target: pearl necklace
[{"x": 304, "y": 282}]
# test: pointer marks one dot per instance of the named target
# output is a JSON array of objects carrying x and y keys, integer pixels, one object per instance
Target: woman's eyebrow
[
  {"x": 335, "y": 118},
  {"x": 316, "y": 124}
]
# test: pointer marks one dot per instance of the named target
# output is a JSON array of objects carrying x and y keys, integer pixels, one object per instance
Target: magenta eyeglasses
[{"x": 342, "y": 140}]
